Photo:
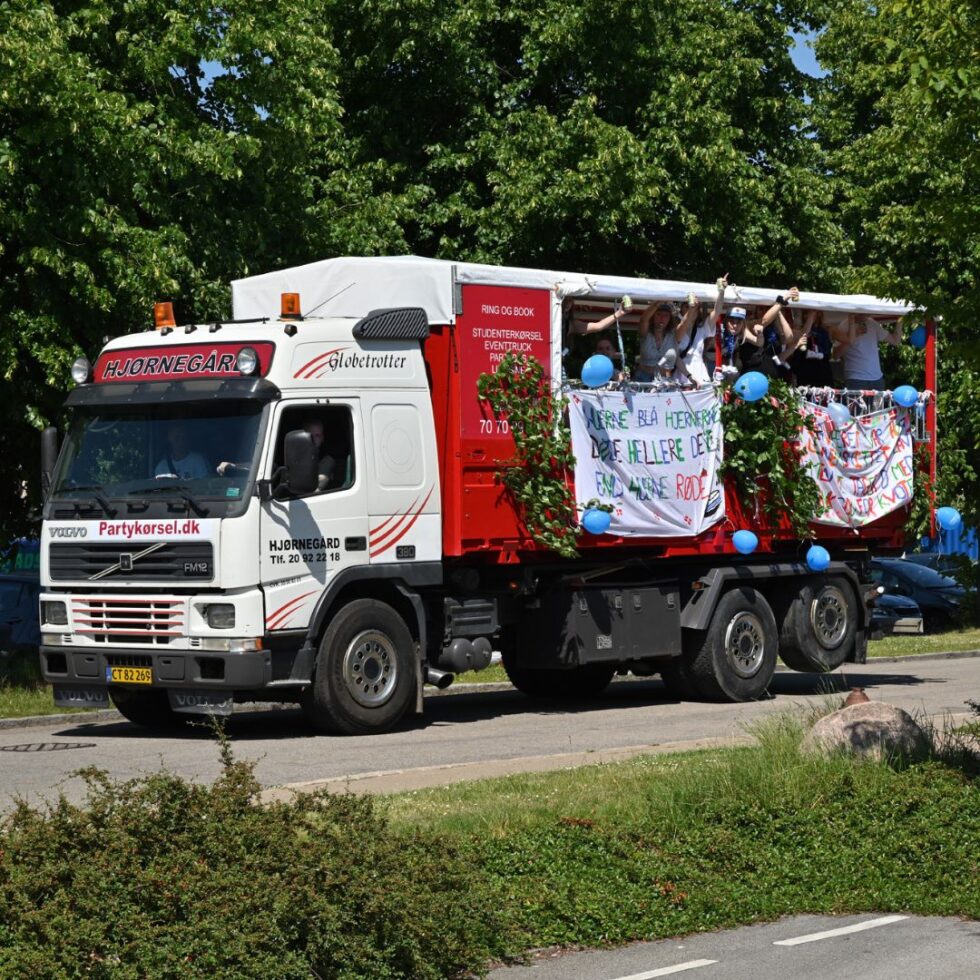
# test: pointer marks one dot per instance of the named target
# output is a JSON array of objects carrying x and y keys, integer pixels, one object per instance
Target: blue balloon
[
  {"x": 596, "y": 521},
  {"x": 818, "y": 558},
  {"x": 905, "y": 395},
  {"x": 917, "y": 338},
  {"x": 745, "y": 542},
  {"x": 597, "y": 371},
  {"x": 949, "y": 518},
  {"x": 752, "y": 386},
  {"x": 839, "y": 413}
]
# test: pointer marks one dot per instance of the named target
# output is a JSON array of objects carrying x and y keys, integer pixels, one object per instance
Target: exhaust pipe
[{"x": 439, "y": 678}]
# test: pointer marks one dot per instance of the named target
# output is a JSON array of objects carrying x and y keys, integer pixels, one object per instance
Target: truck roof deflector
[{"x": 396, "y": 323}]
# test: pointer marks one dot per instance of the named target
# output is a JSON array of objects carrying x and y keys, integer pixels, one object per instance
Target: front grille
[
  {"x": 128, "y": 660},
  {"x": 177, "y": 560},
  {"x": 129, "y": 621}
]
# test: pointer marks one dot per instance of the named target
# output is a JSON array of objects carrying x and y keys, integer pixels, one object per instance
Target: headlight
[
  {"x": 221, "y": 616},
  {"x": 247, "y": 361},
  {"x": 80, "y": 370},
  {"x": 54, "y": 613}
]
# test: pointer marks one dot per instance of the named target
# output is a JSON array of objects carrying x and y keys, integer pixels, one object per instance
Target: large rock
[{"x": 872, "y": 730}]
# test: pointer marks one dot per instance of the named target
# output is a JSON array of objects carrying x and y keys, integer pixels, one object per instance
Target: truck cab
[{"x": 219, "y": 487}]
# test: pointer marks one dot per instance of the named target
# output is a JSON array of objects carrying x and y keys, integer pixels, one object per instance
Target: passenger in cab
[{"x": 180, "y": 462}]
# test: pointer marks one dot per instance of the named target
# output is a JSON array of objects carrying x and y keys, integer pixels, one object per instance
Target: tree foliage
[{"x": 899, "y": 117}]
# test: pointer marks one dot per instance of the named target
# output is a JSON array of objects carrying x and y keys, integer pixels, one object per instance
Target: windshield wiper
[
  {"x": 97, "y": 496},
  {"x": 181, "y": 491}
]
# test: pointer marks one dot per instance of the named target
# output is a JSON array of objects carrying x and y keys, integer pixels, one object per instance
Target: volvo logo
[
  {"x": 68, "y": 532},
  {"x": 125, "y": 563}
]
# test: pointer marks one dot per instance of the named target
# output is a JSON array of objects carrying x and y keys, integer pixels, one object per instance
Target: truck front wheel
[
  {"x": 819, "y": 626},
  {"x": 735, "y": 657},
  {"x": 364, "y": 680}
]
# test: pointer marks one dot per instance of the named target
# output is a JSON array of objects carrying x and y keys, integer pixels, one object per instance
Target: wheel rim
[
  {"x": 828, "y": 617},
  {"x": 370, "y": 668},
  {"x": 745, "y": 644}
]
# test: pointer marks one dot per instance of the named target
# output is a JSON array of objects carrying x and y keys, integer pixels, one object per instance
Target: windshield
[
  {"x": 927, "y": 578},
  {"x": 140, "y": 451}
]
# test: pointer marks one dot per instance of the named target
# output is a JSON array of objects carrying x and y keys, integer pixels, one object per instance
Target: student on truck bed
[
  {"x": 862, "y": 366},
  {"x": 661, "y": 333}
]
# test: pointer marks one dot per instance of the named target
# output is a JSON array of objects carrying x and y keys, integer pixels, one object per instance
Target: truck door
[{"x": 306, "y": 540}]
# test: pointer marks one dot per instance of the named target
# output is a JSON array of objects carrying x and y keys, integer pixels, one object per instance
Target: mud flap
[
  {"x": 201, "y": 702},
  {"x": 80, "y": 697}
]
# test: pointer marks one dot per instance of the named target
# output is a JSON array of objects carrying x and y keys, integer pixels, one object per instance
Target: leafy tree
[
  {"x": 661, "y": 138},
  {"x": 128, "y": 174},
  {"x": 898, "y": 115}
]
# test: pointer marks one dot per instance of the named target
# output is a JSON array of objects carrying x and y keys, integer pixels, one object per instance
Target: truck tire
[
  {"x": 573, "y": 684},
  {"x": 148, "y": 709},
  {"x": 364, "y": 678},
  {"x": 736, "y": 657},
  {"x": 819, "y": 627}
]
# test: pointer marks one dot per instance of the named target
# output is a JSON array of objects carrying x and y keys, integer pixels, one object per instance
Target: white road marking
[
  {"x": 665, "y": 971},
  {"x": 885, "y": 920}
]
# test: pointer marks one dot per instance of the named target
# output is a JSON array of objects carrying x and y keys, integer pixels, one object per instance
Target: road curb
[{"x": 110, "y": 714}]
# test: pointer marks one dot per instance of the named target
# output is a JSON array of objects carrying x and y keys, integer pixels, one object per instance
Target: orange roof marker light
[
  {"x": 163, "y": 315},
  {"x": 289, "y": 308}
]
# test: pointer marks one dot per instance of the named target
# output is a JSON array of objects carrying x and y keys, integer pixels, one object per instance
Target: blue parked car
[
  {"x": 896, "y": 614},
  {"x": 938, "y": 596}
]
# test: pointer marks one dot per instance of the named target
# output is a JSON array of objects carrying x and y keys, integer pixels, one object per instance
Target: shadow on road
[{"x": 468, "y": 706}]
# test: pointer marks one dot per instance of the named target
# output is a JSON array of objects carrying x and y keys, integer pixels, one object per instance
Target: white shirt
[
  {"x": 190, "y": 467},
  {"x": 694, "y": 365},
  {"x": 861, "y": 360}
]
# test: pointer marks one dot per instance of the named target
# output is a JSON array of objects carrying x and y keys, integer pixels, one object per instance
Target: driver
[{"x": 179, "y": 462}]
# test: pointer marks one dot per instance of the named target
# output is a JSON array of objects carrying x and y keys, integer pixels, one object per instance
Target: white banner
[
  {"x": 652, "y": 456},
  {"x": 864, "y": 468}
]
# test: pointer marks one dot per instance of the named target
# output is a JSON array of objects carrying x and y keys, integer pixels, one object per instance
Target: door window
[{"x": 332, "y": 430}]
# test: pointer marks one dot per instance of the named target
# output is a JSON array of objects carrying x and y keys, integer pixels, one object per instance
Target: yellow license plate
[{"x": 130, "y": 675}]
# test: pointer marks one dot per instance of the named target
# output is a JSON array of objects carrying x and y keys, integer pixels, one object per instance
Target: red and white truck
[{"x": 304, "y": 507}]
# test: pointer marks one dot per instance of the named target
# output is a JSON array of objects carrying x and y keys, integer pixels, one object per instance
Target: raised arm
[
  {"x": 689, "y": 319},
  {"x": 604, "y": 324},
  {"x": 893, "y": 336},
  {"x": 792, "y": 295}
]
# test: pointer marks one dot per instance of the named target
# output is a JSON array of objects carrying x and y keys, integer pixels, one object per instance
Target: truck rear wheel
[
  {"x": 148, "y": 709},
  {"x": 819, "y": 627},
  {"x": 364, "y": 680},
  {"x": 571, "y": 684},
  {"x": 736, "y": 656}
]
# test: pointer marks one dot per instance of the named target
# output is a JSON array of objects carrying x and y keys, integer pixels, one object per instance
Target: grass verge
[
  {"x": 160, "y": 877},
  {"x": 22, "y": 692},
  {"x": 952, "y": 641}
]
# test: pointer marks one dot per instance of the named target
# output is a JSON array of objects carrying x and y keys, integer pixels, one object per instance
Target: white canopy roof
[{"x": 351, "y": 286}]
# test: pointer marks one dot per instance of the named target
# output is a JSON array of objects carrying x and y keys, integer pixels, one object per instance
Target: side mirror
[
  {"x": 49, "y": 457},
  {"x": 301, "y": 462}
]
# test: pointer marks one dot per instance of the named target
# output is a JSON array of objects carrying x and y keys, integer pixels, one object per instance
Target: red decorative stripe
[
  {"x": 276, "y": 619},
  {"x": 311, "y": 365},
  {"x": 394, "y": 527},
  {"x": 388, "y": 520},
  {"x": 405, "y": 530}
]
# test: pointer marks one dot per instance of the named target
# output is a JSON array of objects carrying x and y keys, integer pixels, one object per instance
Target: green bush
[{"x": 162, "y": 878}]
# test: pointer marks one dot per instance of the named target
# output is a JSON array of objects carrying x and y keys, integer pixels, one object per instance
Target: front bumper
[{"x": 188, "y": 670}]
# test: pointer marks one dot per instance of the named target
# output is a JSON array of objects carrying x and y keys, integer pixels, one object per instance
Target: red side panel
[{"x": 472, "y": 443}]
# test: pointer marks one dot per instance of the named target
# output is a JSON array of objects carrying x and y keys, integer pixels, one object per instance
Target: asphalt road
[
  {"x": 872, "y": 947},
  {"x": 462, "y": 735}
]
